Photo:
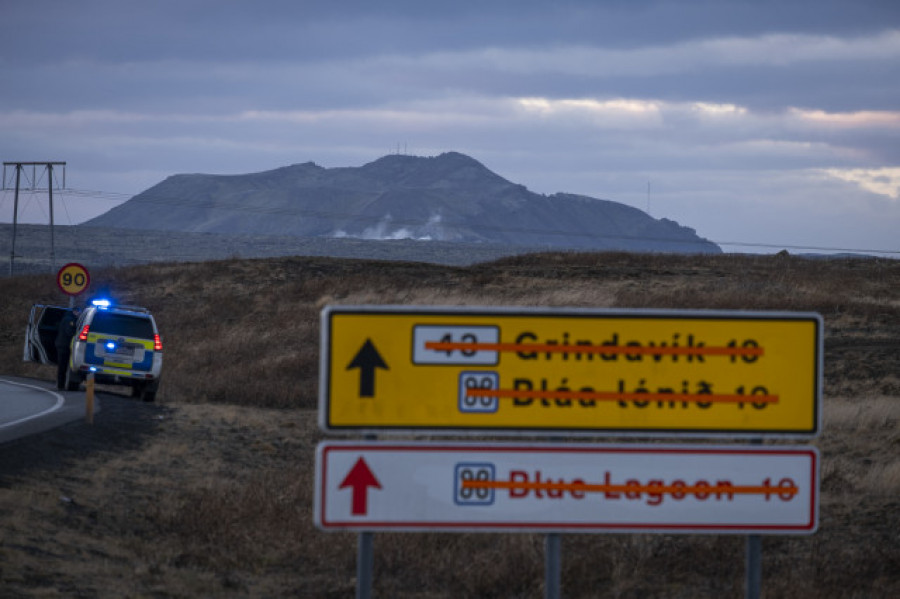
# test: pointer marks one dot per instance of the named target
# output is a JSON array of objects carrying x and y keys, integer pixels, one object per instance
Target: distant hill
[{"x": 449, "y": 198}]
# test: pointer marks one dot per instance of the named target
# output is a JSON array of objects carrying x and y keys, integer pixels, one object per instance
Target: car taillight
[
  {"x": 82, "y": 336},
  {"x": 157, "y": 343}
]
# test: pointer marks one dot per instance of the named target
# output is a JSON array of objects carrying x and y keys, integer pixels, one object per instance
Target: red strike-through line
[
  {"x": 593, "y": 349},
  {"x": 598, "y": 488},
  {"x": 618, "y": 396}
]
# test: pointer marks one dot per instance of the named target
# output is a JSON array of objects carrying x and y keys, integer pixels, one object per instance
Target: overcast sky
[{"x": 766, "y": 123}]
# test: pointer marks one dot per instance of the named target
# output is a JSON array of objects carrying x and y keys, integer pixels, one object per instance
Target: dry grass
[
  {"x": 263, "y": 314},
  {"x": 217, "y": 500}
]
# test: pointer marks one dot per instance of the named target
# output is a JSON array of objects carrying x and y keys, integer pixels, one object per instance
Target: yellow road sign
[
  {"x": 553, "y": 371},
  {"x": 73, "y": 278}
]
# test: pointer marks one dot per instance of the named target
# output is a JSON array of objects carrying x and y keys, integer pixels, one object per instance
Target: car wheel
[
  {"x": 136, "y": 389},
  {"x": 73, "y": 380},
  {"x": 148, "y": 390}
]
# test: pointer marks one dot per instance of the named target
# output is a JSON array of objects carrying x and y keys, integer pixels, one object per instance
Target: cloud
[
  {"x": 780, "y": 112},
  {"x": 596, "y": 61},
  {"x": 618, "y": 113},
  {"x": 856, "y": 119},
  {"x": 619, "y": 134},
  {"x": 712, "y": 66},
  {"x": 883, "y": 181}
]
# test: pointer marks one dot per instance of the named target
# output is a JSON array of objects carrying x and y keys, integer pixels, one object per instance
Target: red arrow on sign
[{"x": 360, "y": 478}]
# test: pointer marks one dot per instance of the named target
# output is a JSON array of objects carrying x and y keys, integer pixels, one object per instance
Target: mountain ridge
[{"x": 450, "y": 197}]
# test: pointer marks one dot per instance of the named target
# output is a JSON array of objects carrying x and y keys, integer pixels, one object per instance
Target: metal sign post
[
  {"x": 365, "y": 554},
  {"x": 753, "y": 586},
  {"x": 753, "y": 551},
  {"x": 365, "y": 545},
  {"x": 552, "y": 565}
]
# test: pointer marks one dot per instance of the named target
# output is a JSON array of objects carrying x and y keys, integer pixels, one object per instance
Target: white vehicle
[{"x": 120, "y": 345}]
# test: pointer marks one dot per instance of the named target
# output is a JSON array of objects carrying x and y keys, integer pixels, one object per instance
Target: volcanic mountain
[{"x": 450, "y": 197}]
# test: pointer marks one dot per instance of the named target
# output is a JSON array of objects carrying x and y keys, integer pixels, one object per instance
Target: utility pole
[
  {"x": 12, "y": 252},
  {"x": 19, "y": 166}
]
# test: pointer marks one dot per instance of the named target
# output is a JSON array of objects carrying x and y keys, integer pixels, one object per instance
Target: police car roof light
[{"x": 101, "y": 303}]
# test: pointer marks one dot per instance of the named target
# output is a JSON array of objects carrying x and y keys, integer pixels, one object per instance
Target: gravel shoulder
[{"x": 107, "y": 509}]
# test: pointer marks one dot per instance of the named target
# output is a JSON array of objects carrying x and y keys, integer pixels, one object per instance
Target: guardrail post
[{"x": 89, "y": 399}]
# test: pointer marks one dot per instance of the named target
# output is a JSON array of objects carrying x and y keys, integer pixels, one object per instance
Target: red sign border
[
  {"x": 326, "y": 447},
  {"x": 87, "y": 275}
]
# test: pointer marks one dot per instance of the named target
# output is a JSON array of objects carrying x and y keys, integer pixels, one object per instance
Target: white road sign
[{"x": 568, "y": 488}]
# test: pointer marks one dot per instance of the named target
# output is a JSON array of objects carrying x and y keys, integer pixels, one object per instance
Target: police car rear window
[{"x": 122, "y": 325}]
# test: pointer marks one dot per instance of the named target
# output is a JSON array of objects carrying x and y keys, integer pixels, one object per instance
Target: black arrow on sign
[{"x": 367, "y": 360}]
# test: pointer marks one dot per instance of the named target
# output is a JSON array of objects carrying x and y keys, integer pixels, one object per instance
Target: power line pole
[{"x": 19, "y": 166}]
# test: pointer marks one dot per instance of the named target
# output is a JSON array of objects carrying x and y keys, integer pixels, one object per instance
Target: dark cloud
[
  {"x": 764, "y": 107},
  {"x": 114, "y": 30}
]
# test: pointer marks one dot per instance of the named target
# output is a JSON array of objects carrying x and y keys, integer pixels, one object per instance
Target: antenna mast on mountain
[{"x": 648, "y": 197}]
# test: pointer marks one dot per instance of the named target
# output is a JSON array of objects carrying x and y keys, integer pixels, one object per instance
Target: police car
[{"x": 119, "y": 345}]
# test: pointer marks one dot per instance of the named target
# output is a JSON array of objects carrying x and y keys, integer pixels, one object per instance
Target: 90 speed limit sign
[{"x": 73, "y": 278}]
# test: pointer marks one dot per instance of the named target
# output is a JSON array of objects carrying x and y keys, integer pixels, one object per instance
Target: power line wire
[{"x": 306, "y": 213}]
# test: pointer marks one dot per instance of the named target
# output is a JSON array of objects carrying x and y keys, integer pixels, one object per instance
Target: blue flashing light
[
  {"x": 93, "y": 369},
  {"x": 110, "y": 345},
  {"x": 101, "y": 303}
]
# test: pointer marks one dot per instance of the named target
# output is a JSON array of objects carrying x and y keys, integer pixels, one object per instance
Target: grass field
[{"x": 208, "y": 491}]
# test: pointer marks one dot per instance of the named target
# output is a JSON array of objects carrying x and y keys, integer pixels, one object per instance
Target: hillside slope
[
  {"x": 209, "y": 492},
  {"x": 450, "y": 197}
]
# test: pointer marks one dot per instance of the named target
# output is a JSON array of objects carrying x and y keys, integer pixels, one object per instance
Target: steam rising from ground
[{"x": 386, "y": 230}]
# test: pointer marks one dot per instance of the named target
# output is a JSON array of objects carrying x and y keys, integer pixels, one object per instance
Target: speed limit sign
[{"x": 73, "y": 278}]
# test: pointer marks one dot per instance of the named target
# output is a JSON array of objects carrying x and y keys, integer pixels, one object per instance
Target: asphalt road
[{"x": 29, "y": 406}]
